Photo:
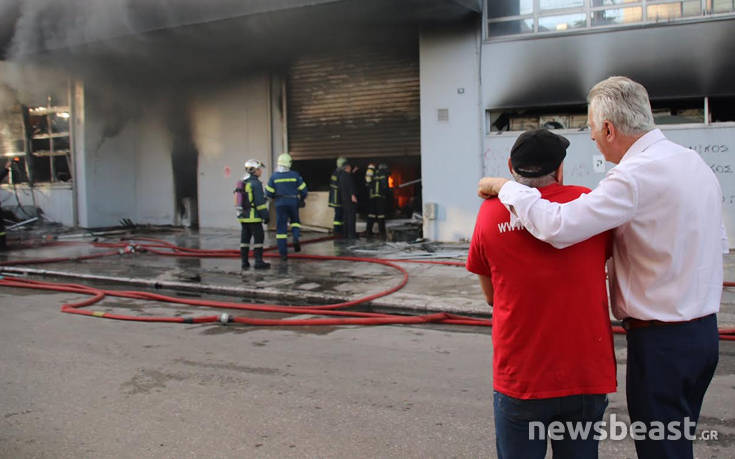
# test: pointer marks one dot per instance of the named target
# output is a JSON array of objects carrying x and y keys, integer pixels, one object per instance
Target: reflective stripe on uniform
[
  {"x": 258, "y": 246},
  {"x": 251, "y": 200},
  {"x": 269, "y": 189},
  {"x": 295, "y": 225},
  {"x": 381, "y": 216},
  {"x": 3, "y": 234},
  {"x": 281, "y": 180},
  {"x": 262, "y": 207},
  {"x": 371, "y": 215},
  {"x": 243, "y": 245},
  {"x": 302, "y": 186},
  {"x": 336, "y": 223},
  {"x": 281, "y": 236},
  {"x": 250, "y": 220}
]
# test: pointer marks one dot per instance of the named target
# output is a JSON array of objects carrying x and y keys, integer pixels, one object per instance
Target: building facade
[{"x": 165, "y": 106}]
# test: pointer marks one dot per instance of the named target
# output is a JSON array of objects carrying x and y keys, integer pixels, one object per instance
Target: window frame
[{"x": 705, "y": 14}]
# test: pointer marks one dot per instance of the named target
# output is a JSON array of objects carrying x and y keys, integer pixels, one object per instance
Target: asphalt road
[{"x": 73, "y": 386}]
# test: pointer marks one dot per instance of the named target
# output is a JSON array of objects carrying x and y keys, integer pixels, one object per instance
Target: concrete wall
[
  {"x": 450, "y": 150},
  {"x": 124, "y": 169},
  {"x": 230, "y": 125},
  {"x": 124, "y": 161},
  {"x": 154, "y": 190}
]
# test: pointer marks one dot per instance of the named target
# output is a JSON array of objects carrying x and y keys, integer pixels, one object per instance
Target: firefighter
[
  {"x": 348, "y": 196},
  {"x": 289, "y": 191},
  {"x": 3, "y": 235},
  {"x": 252, "y": 212},
  {"x": 334, "y": 199},
  {"x": 369, "y": 173},
  {"x": 378, "y": 194}
]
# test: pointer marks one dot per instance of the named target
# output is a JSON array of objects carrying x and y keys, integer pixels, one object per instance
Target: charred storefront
[{"x": 163, "y": 102}]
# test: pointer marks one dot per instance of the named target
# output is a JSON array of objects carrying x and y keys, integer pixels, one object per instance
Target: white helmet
[{"x": 252, "y": 164}]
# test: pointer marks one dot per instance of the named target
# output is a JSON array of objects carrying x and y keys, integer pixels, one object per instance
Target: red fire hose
[{"x": 164, "y": 248}]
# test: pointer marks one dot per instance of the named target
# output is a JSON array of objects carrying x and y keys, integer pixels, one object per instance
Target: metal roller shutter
[{"x": 362, "y": 102}]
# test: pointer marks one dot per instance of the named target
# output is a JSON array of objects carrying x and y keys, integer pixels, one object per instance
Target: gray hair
[
  {"x": 624, "y": 103},
  {"x": 535, "y": 182}
]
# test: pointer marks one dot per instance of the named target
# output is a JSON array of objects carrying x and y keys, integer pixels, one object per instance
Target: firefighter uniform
[
  {"x": 288, "y": 190},
  {"x": 347, "y": 190},
  {"x": 378, "y": 194},
  {"x": 252, "y": 213},
  {"x": 335, "y": 200}
]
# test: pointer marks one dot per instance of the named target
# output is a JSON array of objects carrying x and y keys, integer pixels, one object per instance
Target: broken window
[
  {"x": 37, "y": 140},
  {"x": 667, "y": 111},
  {"x": 568, "y": 117}
]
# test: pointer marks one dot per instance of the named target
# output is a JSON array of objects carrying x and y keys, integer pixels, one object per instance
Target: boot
[
  {"x": 369, "y": 227},
  {"x": 296, "y": 246},
  {"x": 244, "y": 257},
  {"x": 381, "y": 228},
  {"x": 259, "y": 263}
]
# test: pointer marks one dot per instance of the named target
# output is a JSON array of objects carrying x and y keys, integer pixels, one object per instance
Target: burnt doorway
[{"x": 184, "y": 159}]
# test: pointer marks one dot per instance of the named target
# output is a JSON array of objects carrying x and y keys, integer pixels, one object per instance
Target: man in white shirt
[{"x": 666, "y": 270}]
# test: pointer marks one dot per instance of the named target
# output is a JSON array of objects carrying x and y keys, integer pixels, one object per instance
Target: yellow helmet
[{"x": 285, "y": 160}]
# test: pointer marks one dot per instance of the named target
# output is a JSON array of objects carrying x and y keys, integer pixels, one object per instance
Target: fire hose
[{"x": 338, "y": 316}]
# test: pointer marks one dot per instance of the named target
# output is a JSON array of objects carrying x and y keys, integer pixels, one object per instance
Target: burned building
[{"x": 167, "y": 100}]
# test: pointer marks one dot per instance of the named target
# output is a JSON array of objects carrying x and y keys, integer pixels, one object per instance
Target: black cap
[{"x": 538, "y": 152}]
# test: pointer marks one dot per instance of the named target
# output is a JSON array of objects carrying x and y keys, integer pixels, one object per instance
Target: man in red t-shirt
[{"x": 553, "y": 350}]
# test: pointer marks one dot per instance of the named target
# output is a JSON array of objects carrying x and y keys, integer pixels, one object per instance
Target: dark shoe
[
  {"x": 297, "y": 246},
  {"x": 245, "y": 265},
  {"x": 262, "y": 265},
  {"x": 284, "y": 257}
]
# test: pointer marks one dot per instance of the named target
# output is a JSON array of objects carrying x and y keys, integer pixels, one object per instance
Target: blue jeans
[{"x": 513, "y": 428}]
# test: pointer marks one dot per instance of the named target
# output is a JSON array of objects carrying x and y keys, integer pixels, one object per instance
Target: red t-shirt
[{"x": 551, "y": 325}]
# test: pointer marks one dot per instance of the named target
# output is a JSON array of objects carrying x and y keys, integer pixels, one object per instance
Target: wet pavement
[
  {"x": 430, "y": 287},
  {"x": 83, "y": 387}
]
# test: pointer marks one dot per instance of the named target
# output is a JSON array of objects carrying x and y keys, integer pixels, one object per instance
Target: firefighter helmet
[
  {"x": 369, "y": 173},
  {"x": 252, "y": 164},
  {"x": 341, "y": 161},
  {"x": 285, "y": 160}
]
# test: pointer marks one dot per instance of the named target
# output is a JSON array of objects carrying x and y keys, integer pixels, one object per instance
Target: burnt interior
[{"x": 402, "y": 201}]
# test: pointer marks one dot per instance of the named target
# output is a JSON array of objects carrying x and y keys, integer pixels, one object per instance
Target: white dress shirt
[{"x": 665, "y": 204}]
